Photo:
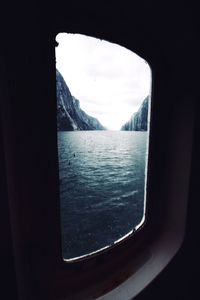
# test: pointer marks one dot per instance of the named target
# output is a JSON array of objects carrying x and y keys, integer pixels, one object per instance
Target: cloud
[{"x": 109, "y": 80}]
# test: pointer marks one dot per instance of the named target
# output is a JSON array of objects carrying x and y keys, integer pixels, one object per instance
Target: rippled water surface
[{"x": 102, "y": 183}]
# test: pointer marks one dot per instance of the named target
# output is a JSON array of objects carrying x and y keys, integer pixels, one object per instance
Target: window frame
[
  {"x": 148, "y": 250},
  {"x": 126, "y": 269}
]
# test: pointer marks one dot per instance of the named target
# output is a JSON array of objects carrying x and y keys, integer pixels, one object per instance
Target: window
[
  {"x": 29, "y": 142},
  {"x": 103, "y": 100}
]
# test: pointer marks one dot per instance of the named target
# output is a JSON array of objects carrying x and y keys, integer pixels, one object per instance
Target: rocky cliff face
[
  {"x": 69, "y": 114},
  {"x": 139, "y": 120}
]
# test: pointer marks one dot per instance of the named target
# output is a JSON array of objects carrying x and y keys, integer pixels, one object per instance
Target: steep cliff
[
  {"x": 69, "y": 114},
  {"x": 139, "y": 120}
]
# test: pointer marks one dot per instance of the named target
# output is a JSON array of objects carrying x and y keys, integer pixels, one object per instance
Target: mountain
[
  {"x": 69, "y": 114},
  {"x": 139, "y": 120}
]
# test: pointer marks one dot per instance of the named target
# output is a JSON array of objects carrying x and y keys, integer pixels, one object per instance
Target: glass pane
[{"x": 103, "y": 100}]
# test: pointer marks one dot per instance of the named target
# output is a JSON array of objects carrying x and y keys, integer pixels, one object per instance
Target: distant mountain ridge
[
  {"x": 70, "y": 116},
  {"x": 139, "y": 120}
]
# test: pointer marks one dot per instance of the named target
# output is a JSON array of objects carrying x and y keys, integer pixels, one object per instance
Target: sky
[{"x": 109, "y": 80}]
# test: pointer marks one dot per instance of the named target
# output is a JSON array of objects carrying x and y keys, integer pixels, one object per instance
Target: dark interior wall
[
  {"x": 25, "y": 53},
  {"x": 7, "y": 270},
  {"x": 165, "y": 34}
]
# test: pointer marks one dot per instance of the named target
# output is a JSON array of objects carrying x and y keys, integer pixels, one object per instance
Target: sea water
[{"x": 102, "y": 187}]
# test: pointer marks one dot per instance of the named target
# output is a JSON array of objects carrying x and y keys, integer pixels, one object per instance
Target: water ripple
[{"x": 102, "y": 177}]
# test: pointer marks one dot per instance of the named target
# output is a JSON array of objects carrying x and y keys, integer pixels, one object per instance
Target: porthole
[{"x": 103, "y": 108}]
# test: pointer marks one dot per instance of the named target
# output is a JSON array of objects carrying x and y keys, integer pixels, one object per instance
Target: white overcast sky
[{"x": 110, "y": 81}]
